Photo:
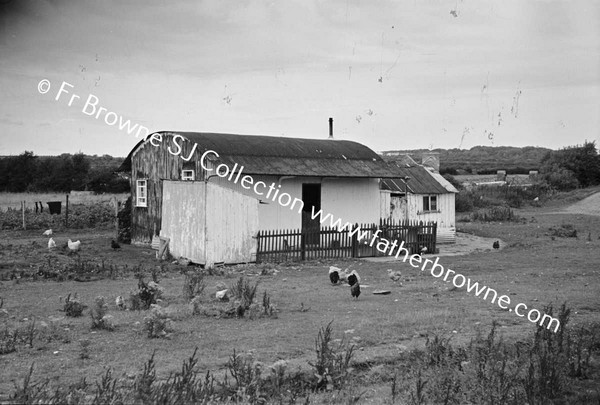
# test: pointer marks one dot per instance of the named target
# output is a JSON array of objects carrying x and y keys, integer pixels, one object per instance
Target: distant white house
[{"x": 421, "y": 194}]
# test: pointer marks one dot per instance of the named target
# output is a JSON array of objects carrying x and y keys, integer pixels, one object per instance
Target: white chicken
[
  {"x": 222, "y": 295},
  {"x": 51, "y": 243},
  {"x": 74, "y": 246},
  {"x": 47, "y": 232}
]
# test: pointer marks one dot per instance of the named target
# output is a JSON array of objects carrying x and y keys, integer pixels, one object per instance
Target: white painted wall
[{"x": 354, "y": 200}]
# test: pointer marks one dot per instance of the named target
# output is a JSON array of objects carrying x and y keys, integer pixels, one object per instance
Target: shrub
[
  {"x": 157, "y": 323},
  {"x": 124, "y": 220},
  {"x": 73, "y": 307},
  {"x": 495, "y": 214},
  {"x": 99, "y": 315},
  {"x": 244, "y": 292},
  {"x": 564, "y": 231},
  {"x": 146, "y": 294}
]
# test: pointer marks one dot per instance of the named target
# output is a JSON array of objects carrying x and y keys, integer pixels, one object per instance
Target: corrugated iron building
[{"x": 202, "y": 217}]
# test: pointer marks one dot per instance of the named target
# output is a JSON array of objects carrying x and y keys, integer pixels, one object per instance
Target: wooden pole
[
  {"x": 116, "y": 203},
  {"x": 67, "y": 213},
  {"x": 23, "y": 211}
]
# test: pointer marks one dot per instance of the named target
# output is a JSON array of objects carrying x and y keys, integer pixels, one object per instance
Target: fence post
[
  {"x": 67, "y": 213},
  {"x": 23, "y": 211},
  {"x": 355, "y": 242},
  {"x": 258, "y": 247},
  {"x": 303, "y": 245}
]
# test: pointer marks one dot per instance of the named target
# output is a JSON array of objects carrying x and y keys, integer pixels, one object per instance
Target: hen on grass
[
  {"x": 73, "y": 246},
  {"x": 355, "y": 290}
]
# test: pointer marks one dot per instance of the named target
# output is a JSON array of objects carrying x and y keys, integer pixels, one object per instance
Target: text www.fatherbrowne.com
[{"x": 438, "y": 271}]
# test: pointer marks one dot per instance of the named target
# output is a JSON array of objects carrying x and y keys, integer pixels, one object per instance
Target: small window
[
  {"x": 188, "y": 175},
  {"x": 430, "y": 203},
  {"x": 141, "y": 194}
]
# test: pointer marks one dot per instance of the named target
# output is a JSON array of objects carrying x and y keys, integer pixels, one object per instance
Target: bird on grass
[
  {"x": 353, "y": 278},
  {"x": 496, "y": 245},
  {"x": 73, "y": 246},
  {"x": 47, "y": 232},
  {"x": 423, "y": 250},
  {"x": 51, "y": 243},
  {"x": 115, "y": 245},
  {"x": 355, "y": 290},
  {"x": 354, "y": 281},
  {"x": 337, "y": 275}
]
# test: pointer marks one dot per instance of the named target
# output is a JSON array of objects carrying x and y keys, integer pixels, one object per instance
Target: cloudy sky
[{"x": 393, "y": 74}]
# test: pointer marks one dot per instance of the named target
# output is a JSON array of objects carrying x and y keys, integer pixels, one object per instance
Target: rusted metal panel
[{"x": 184, "y": 219}]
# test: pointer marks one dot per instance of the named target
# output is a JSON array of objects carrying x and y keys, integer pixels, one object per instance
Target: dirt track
[{"x": 588, "y": 206}]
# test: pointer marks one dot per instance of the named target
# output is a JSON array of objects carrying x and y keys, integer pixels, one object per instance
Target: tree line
[
  {"x": 572, "y": 167},
  {"x": 30, "y": 173}
]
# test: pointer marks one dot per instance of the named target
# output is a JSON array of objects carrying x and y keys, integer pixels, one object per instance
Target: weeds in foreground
[
  {"x": 193, "y": 285},
  {"x": 243, "y": 291},
  {"x": 99, "y": 315},
  {"x": 157, "y": 323},
  {"x": 333, "y": 361},
  {"x": 73, "y": 307},
  {"x": 146, "y": 295}
]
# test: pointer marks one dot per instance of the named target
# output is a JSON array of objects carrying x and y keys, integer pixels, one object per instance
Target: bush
[
  {"x": 73, "y": 307},
  {"x": 99, "y": 315},
  {"x": 495, "y": 214},
  {"x": 157, "y": 323},
  {"x": 124, "y": 218},
  {"x": 244, "y": 292},
  {"x": 146, "y": 295}
]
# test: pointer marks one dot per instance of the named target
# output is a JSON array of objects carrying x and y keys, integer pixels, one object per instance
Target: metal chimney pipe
[{"x": 330, "y": 128}]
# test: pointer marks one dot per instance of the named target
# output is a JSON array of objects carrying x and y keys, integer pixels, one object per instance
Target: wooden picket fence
[{"x": 328, "y": 242}]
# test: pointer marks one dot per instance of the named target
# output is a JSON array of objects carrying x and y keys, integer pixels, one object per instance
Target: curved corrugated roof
[{"x": 287, "y": 156}]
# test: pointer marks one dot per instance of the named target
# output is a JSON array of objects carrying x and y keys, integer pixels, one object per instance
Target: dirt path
[{"x": 588, "y": 206}]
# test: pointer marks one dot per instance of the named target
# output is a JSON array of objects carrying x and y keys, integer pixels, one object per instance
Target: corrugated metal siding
[
  {"x": 183, "y": 219},
  {"x": 232, "y": 224},
  {"x": 208, "y": 224}
]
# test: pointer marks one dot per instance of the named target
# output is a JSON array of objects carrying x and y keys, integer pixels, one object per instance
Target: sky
[{"x": 402, "y": 74}]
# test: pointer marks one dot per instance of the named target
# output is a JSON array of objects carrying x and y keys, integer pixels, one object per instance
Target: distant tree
[
  {"x": 581, "y": 163},
  {"x": 20, "y": 171}
]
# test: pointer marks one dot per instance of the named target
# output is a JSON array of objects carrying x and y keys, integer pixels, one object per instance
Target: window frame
[
  {"x": 141, "y": 201},
  {"x": 427, "y": 207},
  {"x": 188, "y": 178}
]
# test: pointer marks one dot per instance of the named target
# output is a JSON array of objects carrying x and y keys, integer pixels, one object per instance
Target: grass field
[{"x": 388, "y": 330}]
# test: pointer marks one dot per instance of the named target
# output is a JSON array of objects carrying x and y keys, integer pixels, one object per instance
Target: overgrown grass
[{"x": 80, "y": 216}]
